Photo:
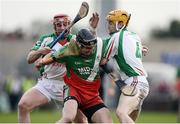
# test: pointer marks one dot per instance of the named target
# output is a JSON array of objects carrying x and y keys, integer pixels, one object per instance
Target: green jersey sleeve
[
  {"x": 43, "y": 41},
  {"x": 70, "y": 49},
  {"x": 37, "y": 45},
  {"x": 71, "y": 37}
]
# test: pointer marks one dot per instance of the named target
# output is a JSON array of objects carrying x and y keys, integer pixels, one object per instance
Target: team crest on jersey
[{"x": 38, "y": 43}]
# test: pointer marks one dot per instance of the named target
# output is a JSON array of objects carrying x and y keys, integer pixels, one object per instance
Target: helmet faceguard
[
  {"x": 87, "y": 42},
  {"x": 86, "y": 38},
  {"x": 60, "y": 22}
]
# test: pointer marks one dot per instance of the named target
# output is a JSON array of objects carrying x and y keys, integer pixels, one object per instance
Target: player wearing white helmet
[{"x": 50, "y": 84}]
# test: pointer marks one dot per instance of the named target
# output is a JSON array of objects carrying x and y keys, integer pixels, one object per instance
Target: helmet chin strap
[{"x": 119, "y": 27}]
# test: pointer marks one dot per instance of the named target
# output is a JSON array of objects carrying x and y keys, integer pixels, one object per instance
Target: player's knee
[
  {"x": 120, "y": 112},
  {"x": 68, "y": 119},
  {"x": 81, "y": 119},
  {"x": 106, "y": 119},
  {"x": 23, "y": 106}
]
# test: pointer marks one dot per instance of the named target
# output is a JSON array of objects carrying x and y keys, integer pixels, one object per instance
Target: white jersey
[
  {"x": 51, "y": 83},
  {"x": 55, "y": 70},
  {"x": 126, "y": 48}
]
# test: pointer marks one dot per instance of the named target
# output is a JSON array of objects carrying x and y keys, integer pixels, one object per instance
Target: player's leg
[
  {"x": 56, "y": 93},
  {"x": 96, "y": 111},
  {"x": 134, "y": 114},
  {"x": 102, "y": 115},
  {"x": 127, "y": 104},
  {"x": 124, "y": 107},
  {"x": 70, "y": 108},
  {"x": 69, "y": 111},
  {"x": 80, "y": 117},
  {"x": 76, "y": 115},
  {"x": 31, "y": 99},
  {"x": 142, "y": 95}
]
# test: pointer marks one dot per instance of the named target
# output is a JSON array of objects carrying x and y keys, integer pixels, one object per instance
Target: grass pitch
[{"x": 52, "y": 116}]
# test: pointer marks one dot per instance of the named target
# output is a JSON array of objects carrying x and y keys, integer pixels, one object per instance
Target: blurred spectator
[
  {"x": 178, "y": 81},
  {"x": 4, "y": 101},
  {"x": 17, "y": 34},
  {"x": 13, "y": 88},
  {"x": 178, "y": 90},
  {"x": 27, "y": 83},
  {"x": 163, "y": 87}
]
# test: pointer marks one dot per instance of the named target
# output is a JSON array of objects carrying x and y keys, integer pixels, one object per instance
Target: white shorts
[
  {"x": 52, "y": 89},
  {"x": 131, "y": 103},
  {"x": 140, "y": 83}
]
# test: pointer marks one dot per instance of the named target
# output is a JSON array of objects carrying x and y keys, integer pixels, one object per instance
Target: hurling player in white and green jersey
[
  {"x": 50, "y": 84},
  {"x": 126, "y": 48}
]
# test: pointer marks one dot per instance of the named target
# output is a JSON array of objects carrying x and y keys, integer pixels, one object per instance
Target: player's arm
[
  {"x": 93, "y": 22},
  {"x": 38, "y": 50},
  {"x": 110, "y": 71},
  {"x": 58, "y": 56},
  {"x": 145, "y": 50},
  {"x": 47, "y": 59},
  {"x": 36, "y": 54},
  {"x": 50, "y": 58}
]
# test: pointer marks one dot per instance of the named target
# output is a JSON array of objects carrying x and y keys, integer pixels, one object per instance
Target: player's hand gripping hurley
[{"x": 83, "y": 11}]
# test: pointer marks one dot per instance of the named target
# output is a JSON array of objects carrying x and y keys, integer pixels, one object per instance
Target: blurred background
[{"x": 156, "y": 21}]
